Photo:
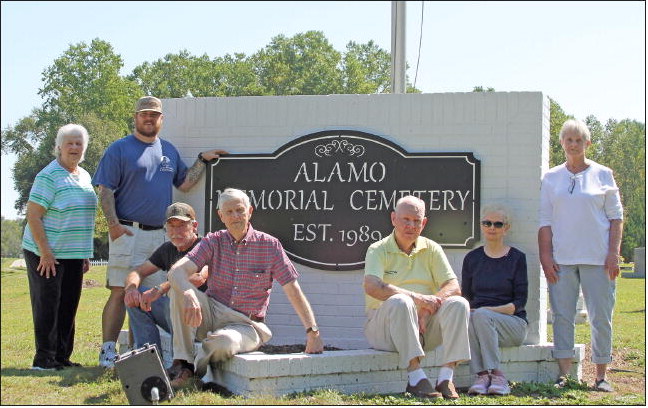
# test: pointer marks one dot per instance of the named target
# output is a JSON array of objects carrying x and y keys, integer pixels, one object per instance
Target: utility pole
[{"x": 398, "y": 47}]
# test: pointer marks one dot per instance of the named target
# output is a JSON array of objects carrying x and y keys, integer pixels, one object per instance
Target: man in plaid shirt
[{"x": 229, "y": 317}]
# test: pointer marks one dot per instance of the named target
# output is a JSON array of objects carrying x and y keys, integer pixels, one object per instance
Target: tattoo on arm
[
  {"x": 194, "y": 173},
  {"x": 107, "y": 200}
]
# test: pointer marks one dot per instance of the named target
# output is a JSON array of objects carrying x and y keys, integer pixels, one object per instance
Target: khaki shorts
[{"x": 130, "y": 251}]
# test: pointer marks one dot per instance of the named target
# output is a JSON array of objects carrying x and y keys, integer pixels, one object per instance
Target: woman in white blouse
[{"x": 581, "y": 222}]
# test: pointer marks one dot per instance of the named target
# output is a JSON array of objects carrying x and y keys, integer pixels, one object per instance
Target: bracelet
[{"x": 202, "y": 159}]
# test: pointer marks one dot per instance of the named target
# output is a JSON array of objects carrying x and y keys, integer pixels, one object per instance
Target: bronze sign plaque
[{"x": 328, "y": 195}]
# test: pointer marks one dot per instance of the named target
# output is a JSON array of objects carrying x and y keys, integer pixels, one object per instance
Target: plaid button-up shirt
[{"x": 241, "y": 274}]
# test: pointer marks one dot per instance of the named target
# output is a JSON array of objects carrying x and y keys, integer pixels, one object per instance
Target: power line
[{"x": 418, "y": 58}]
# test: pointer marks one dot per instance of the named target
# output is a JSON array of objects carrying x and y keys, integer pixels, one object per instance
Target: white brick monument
[{"x": 508, "y": 132}]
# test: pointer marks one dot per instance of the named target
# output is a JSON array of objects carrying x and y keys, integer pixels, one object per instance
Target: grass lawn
[{"x": 92, "y": 385}]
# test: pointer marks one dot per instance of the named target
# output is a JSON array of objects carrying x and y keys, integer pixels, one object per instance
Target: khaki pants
[
  {"x": 600, "y": 295},
  {"x": 488, "y": 332},
  {"x": 223, "y": 332},
  {"x": 130, "y": 251},
  {"x": 394, "y": 327}
]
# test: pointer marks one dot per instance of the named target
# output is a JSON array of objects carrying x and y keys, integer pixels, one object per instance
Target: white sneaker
[
  {"x": 499, "y": 385},
  {"x": 602, "y": 385},
  {"x": 107, "y": 355},
  {"x": 480, "y": 387}
]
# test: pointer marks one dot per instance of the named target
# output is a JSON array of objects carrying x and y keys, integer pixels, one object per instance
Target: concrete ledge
[
  {"x": 360, "y": 371},
  {"x": 369, "y": 371}
]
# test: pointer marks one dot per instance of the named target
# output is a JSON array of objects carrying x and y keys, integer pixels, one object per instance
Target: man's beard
[{"x": 141, "y": 130}]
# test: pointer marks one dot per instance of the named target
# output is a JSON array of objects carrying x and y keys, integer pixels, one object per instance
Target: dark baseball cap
[{"x": 180, "y": 211}]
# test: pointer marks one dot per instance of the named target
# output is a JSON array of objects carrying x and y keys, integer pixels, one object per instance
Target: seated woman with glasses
[{"x": 494, "y": 281}]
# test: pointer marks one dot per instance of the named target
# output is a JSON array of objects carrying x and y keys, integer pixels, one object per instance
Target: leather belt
[{"x": 143, "y": 227}]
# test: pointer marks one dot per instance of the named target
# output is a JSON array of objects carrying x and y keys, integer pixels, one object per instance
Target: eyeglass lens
[{"x": 496, "y": 224}]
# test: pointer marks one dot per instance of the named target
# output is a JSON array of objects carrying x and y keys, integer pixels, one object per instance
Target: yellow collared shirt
[{"x": 423, "y": 271}]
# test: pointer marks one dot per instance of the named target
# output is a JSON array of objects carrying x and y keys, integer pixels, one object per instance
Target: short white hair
[
  {"x": 498, "y": 208},
  {"x": 230, "y": 194},
  {"x": 71, "y": 129},
  {"x": 576, "y": 126}
]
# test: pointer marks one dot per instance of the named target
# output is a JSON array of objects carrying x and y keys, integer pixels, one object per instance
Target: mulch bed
[{"x": 290, "y": 348}]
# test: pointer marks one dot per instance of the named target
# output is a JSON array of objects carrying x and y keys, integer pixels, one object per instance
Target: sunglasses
[
  {"x": 496, "y": 224},
  {"x": 572, "y": 184}
]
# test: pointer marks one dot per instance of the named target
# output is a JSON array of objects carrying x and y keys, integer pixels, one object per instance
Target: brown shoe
[
  {"x": 175, "y": 368},
  {"x": 447, "y": 389},
  {"x": 183, "y": 378},
  {"x": 422, "y": 390}
]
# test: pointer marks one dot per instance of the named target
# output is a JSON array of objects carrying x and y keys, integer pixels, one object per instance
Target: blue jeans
[{"x": 145, "y": 324}]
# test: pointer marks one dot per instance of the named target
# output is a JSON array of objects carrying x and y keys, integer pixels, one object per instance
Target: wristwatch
[
  {"x": 158, "y": 288},
  {"x": 312, "y": 329},
  {"x": 202, "y": 159}
]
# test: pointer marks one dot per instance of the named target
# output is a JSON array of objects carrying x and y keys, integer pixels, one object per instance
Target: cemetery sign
[{"x": 328, "y": 195}]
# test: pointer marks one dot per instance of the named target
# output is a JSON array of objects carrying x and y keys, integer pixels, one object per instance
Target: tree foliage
[
  {"x": 86, "y": 79},
  {"x": 305, "y": 64},
  {"x": 624, "y": 151},
  {"x": 556, "y": 119},
  {"x": 12, "y": 232},
  {"x": 366, "y": 69}
]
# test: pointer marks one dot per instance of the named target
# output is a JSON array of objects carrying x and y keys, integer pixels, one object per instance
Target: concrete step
[
  {"x": 370, "y": 371},
  {"x": 366, "y": 370}
]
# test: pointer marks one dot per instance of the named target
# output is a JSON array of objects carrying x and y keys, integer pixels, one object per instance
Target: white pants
[
  {"x": 488, "y": 332},
  {"x": 394, "y": 327},
  {"x": 599, "y": 293},
  {"x": 223, "y": 331}
]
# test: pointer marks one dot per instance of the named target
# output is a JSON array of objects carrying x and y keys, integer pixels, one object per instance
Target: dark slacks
[{"x": 54, "y": 305}]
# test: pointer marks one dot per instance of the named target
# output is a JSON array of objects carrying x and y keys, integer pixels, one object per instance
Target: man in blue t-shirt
[{"x": 135, "y": 180}]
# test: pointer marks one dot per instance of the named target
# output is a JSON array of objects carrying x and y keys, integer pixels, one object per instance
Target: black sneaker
[
  {"x": 68, "y": 363},
  {"x": 48, "y": 364}
]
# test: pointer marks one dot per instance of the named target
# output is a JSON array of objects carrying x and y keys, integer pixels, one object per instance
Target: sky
[{"x": 588, "y": 56}]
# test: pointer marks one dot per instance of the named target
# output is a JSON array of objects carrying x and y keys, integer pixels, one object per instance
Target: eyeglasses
[{"x": 496, "y": 224}]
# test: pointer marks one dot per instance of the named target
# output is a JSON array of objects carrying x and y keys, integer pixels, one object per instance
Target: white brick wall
[{"x": 507, "y": 131}]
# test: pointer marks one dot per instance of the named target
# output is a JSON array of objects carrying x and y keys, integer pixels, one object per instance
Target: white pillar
[{"x": 398, "y": 47}]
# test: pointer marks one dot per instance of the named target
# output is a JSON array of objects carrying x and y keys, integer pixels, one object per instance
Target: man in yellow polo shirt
[{"x": 413, "y": 301}]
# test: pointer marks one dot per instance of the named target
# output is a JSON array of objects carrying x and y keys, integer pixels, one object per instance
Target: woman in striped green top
[{"x": 57, "y": 244}]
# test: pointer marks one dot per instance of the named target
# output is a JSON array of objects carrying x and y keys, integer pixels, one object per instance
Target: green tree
[
  {"x": 482, "y": 89},
  {"x": 366, "y": 69},
  {"x": 180, "y": 75},
  {"x": 86, "y": 79},
  {"x": 12, "y": 232},
  {"x": 305, "y": 64},
  {"x": 625, "y": 154},
  {"x": 556, "y": 119}
]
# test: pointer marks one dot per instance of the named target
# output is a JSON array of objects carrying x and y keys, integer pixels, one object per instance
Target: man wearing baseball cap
[
  {"x": 135, "y": 180},
  {"x": 148, "y": 307}
]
